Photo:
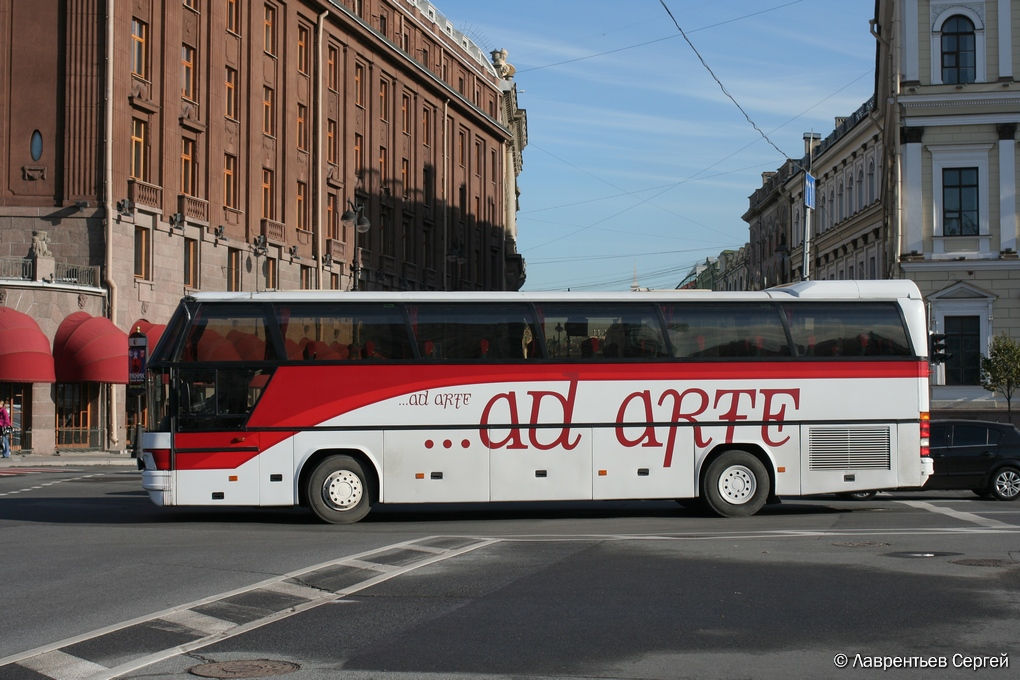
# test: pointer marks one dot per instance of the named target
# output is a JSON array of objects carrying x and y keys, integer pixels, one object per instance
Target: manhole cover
[
  {"x": 922, "y": 554},
  {"x": 251, "y": 668},
  {"x": 984, "y": 563}
]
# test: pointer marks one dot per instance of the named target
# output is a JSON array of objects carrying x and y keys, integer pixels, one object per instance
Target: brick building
[{"x": 158, "y": 148}]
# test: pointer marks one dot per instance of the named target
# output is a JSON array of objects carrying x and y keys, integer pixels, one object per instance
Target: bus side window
[{"x": 733, "y": 331}]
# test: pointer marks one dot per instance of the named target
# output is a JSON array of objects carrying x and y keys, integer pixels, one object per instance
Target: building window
[
  {"x": 331, "y": 67},
  {"x": 268, "y": 204},
  {"x": 384, "y": 100},
  {"x": 958, "y": 51},
  {"x": 142, "y": 253},
  {"x": 426, "y": 126},
  {"x": 358, "y": 159},
  {"x": 270, "y": 273},
  {"x": 306, "y": 278},
  {"x": 461, "y": 148},
  {"x": 359, "y": 7},
  {"x": 302, "y": 49},
  {"x": 963, "y": 343},
  {"x": 331, "y": 142},
  {"x": 301, "y": 203},
  {"x": 302, "y": 127},
  {"x": 382, "y": 164},
  {"x": 232, "y": 101},
  {"x": 78, "y": 420},
  {"x": 405, "y": 114},
  {"x": 405, "y": 172},
  {"x": 233, "y": 269},
  {"x": 139, "y": 48},
  {"x": 871, "y": 182},
  {"x": 191, "y": 4},
  {"x": 191, "y": 263},
  {"x": 332, "y": 218},
  {"x": 359, "y": 84},
  {"x": 233, "y": 16},
  {"x": 334, "y": 282},
  {"x": 188, "y": 87},
  {"x": 139, "y": 149},
  {"x": 960, "y": 202},
  {"x": 189, "y": 171},
  {"x": 268, "y": 119},
  {"x": 230, "y": 181},
  {"x": 269, "y": 30},
  {"x": 478, "y": 158}
]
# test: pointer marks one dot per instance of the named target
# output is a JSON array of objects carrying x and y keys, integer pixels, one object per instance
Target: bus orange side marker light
[
  {"x": 603, "y": 473},
  {"x": 780, "y": 469},
  {"x": 232, "y": 478},
  {"x": 419, "y": 475}
]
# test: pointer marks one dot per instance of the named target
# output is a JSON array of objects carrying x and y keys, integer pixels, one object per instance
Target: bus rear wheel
[
  {"x": 736, "y": 484},
  {"x": 338, "y": 490}
]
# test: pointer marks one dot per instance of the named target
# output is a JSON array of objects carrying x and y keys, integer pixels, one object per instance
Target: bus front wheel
[
  {"x": 736, "y": 484},
  {"x": 338, "y": 490}
]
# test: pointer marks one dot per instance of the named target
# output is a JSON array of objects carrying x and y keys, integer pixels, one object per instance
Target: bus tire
[
  {"x": 338, "y": 490},
  {"x": 736, "y": 484}
]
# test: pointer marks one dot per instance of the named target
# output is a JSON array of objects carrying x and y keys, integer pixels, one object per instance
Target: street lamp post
[{"x": 355, "y": 216}]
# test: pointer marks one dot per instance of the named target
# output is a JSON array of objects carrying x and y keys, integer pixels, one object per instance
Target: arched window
[
  {"x": 860, "y": 189},
  {"x": 839, "y": 204},
  {"x": 958, "y": 51},
  {"x": 871, "y": 181},
  {"x": 850, "y": 195}
]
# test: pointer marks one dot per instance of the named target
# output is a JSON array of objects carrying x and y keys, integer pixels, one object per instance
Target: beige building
[
  {"x": 920, "y": 182},
  {"x": 158, "y": 148}
]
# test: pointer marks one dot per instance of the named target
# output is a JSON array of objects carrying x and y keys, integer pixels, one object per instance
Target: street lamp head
[{"x": 363, "y": 224}]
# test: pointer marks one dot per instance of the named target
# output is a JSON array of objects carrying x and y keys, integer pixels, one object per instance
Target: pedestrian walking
[{"x": 5, "y": 429}]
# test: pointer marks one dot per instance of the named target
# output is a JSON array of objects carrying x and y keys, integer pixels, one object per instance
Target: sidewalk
[{"x": 68, "y": 459}]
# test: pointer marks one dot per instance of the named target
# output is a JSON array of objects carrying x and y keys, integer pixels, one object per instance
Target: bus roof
[{"x": 892, "y": 289}]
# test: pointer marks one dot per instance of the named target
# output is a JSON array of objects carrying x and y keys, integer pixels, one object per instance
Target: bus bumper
[
  {"x": 927, "y": 469},
  {"x": 159, "y": 485}
]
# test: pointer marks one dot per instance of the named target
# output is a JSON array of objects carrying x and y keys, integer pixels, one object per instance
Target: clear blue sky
[{"x": 635, "y": 158}]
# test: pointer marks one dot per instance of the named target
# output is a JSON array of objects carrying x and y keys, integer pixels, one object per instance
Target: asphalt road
[{"x": 97, "y": 582}]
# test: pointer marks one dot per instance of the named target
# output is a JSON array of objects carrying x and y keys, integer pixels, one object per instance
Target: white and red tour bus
[{"x": 337, "y": 401}]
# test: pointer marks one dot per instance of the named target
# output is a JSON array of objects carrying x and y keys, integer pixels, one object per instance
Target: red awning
[
  {"x": 90, "y": 349},
  {"x": 24, "y": 351},
  {"x": 153, "y": 331}
]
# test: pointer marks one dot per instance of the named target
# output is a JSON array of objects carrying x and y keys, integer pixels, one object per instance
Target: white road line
[
  {"x": 294, "y": 590},
  {"x": 41, "y": 486},
  {"x": 209, "y": 625},
  {"x": 957, "y": 514},
  {"x": 61, "y": 666},
  {"x": 182, "y": 614}
]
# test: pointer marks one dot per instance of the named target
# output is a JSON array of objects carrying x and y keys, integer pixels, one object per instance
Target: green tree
[{"x": 1000, "y": 370}]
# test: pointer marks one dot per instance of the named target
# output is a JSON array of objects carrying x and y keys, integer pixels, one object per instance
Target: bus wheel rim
[
  {"x": 342, "y": 490},
  {"x": 737, "y": 484}
]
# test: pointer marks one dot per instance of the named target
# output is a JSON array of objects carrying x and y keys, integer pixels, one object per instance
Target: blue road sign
[{"x": 809, "y": 191}]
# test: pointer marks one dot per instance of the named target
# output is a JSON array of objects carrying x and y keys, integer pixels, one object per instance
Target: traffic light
[{"x": 937, "y": 353}]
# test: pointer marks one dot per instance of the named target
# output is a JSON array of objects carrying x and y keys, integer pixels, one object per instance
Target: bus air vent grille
[{"x": 849, "y": 448}]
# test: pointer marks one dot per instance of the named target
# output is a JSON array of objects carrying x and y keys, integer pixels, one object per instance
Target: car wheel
[
  {"x": 1006, "y": 484},
  {"x": 338, "y": 490},
  {"x": 736, "y": 484}
]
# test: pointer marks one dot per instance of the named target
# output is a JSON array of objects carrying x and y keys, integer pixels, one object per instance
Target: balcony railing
[
  {"x": 142, "y": 193},
  {"x": 19, "y": 268},
  {"x": 274, "y": 232},
  {"x": 81, "y": 275},
  {"x": 194, "y": 209}
]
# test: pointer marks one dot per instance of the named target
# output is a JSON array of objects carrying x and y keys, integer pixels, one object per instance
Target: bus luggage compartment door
[{"x": 217, "y": 468}]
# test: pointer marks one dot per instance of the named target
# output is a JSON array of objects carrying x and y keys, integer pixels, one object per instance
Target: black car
[{"x": 977, "y": 455}]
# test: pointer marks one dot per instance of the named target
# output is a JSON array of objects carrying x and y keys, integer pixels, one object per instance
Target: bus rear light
[
  {"x": 925, "y": 434},
  {"x": 160, "y": 458}
]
